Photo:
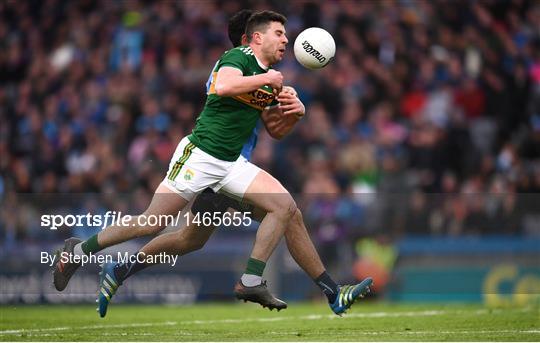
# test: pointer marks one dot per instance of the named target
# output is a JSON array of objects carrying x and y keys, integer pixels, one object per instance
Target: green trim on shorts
[{"x": 180, "y": 163}]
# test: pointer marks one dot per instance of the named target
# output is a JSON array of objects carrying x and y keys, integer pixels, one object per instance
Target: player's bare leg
[
  {"x": 269, "y": 195},
  {"x": 181, "y": 242},
  {"x": 193, "y": 237},
  {"x": 177, "y": 243},
  {"x": 164, "y": 202},
  {"x": 299, "y": 243},
  {"x": 297, "y": 238},
  {"x": 301, "y": 247}
]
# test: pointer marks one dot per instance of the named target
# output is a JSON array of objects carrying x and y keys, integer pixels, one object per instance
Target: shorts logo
[{"x": 188, "y": 175}]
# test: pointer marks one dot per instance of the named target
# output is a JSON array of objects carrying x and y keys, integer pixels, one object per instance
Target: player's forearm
[
  {"x": 277, "y": 124},
  {"x": 284, "y": 126},
  {"x": 232, "y": 85}
]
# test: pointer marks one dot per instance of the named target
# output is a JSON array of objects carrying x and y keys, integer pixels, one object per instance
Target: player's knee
[
  {"x": 295, "y": 224},
  {"x": 297, "y": 217},
  {"x": 291, "y": 209},
  {"x": 286, "y": 207}
]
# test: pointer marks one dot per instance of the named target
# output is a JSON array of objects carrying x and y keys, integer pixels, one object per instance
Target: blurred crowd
[{"x": 426, "y": 122}]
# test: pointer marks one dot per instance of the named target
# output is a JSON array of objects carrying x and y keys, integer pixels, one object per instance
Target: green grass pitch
[{"x": 366, "y": 321}]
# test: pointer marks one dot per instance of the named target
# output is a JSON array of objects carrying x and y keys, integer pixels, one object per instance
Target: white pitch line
[
  {"x": 245, "y": 320},
  {"x": 316, "y": 317},
  {"x": 86, "y": 327}
]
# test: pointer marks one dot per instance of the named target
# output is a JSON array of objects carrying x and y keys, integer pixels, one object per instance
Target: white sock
[
  {"x": 77, "y": 250},
  {"x": 250, "y": 280}
]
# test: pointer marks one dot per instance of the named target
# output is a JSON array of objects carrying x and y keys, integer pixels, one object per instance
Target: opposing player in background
[{"x": 278, "y": 121}]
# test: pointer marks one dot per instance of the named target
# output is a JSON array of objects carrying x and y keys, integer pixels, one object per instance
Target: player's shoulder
[
  {"x": 245, "y": 49},
  {"x": 240, "y": 51},
  {"x": 241, "y": 57}
]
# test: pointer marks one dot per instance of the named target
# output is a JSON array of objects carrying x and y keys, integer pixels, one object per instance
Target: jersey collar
[{"x": 265, "y": 68}]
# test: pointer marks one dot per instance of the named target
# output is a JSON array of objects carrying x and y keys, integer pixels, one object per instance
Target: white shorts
[{"x": 191, "y": 170}]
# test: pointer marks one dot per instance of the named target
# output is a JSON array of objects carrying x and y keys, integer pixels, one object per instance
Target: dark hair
[
  {"x": 237, "y": 26},
  {"x": 260, "y": 20}
]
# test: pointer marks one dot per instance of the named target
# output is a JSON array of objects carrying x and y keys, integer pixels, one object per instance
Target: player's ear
[
  {"x": 257, "y": 37},
  {"x": 244, "y": 40}
]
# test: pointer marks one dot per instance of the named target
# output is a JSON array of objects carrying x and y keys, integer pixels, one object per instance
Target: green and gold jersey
[{"x": 226, "y": 123}]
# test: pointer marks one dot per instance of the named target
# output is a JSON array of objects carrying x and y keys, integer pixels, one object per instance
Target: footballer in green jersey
[
  {"x": 227, "y": 122},
  {"x": 201, "y": 167}
]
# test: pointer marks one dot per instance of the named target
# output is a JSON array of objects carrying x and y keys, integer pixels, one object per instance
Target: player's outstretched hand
[
  {"x": 290, "y": 90},
  {"x": 290, "y": 104}
]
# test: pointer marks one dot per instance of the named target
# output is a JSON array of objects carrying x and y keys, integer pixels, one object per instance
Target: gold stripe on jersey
[
  {"x": 212, "y": 88},
  {"x": 258, "y": 99}
]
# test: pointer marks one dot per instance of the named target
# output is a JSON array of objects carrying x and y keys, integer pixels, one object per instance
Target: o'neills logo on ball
[{"x": 313, "y": 52}]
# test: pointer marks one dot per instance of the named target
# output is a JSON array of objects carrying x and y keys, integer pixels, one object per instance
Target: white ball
[{"x": 314, "y": 48}]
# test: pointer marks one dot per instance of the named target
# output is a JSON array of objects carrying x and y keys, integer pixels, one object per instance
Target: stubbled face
[{"x": 274, "y": 41}]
